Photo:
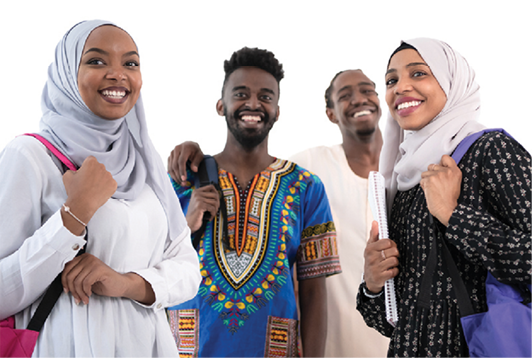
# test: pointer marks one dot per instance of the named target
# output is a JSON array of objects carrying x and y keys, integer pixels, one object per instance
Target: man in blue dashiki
[{"x": 277, "y": 215}]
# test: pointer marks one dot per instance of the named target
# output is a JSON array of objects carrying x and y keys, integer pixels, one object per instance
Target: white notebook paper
[{"x": 377, "y": 203}]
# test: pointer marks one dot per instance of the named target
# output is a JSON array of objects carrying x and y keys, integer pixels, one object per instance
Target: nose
[
  {"x": 403, "y": 85},
  {"x": 116, "y": 73},
  {"x": 253, "y": 102},
  {"x": 358, "y": 99}
]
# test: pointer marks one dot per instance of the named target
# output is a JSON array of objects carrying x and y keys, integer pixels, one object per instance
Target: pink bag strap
[{"x": 54, "y": 151}]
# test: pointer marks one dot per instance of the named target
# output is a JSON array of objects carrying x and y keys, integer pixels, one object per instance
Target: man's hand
[
  {"x": 381, "y": 260},
  {"x": 177, "y": 161},
  {"x": 203, "y": 199},
  {"x": 441, "y": 184}
]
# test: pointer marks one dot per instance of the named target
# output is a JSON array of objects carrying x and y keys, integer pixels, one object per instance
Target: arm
[
  {"x": 380, "y": 264},
  {"x": 176, "y": 279},
  {"x": 313, "y": 305},
  {"x": 173, "y": 280},
  {"x": 491, "y": 224},
  {"x": 316, "y": 260},
  {"x": 34, "y": 243}
]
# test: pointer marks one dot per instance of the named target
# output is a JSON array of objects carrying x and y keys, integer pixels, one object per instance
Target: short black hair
[
  {"x": 253, "y": 57},
  {"x": 328, "y": 102}
]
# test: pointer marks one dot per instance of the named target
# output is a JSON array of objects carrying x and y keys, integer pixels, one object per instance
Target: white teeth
[
  {"x": 114, "y": 94},
  {"x": 362, "y": 113},
  {"x": 408, "y": 104},
  {"x": 251, "y": 118}
]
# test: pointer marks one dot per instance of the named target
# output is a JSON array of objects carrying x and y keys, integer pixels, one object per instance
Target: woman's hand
[
  {"x": 177, "y": 161},
  {"x": 441, "y": 184},
  {"x": 87, "y": 189},
  {"x": 86, "y": 274},
  {"x": 204, "y": 199},
  {"x": 381, "y": 260}
]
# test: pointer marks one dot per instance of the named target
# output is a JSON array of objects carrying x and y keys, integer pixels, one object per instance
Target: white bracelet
[
  {"x": 366, "y": 293},
  {"x": 67, "y": 210}
]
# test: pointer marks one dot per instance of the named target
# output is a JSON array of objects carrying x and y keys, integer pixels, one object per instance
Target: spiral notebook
[{"x": 377, "y": 203}]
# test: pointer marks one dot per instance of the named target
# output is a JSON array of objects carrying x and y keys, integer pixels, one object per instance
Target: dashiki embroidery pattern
[{"x": 280, "y": 218}]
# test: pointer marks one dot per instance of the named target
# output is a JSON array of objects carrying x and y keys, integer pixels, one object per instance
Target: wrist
[{"x": 368, "y": 292}]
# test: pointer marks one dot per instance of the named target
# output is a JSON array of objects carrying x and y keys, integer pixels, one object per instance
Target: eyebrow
[
  {"x": 409, "y": 65},
  {"x": 103, "y": 52},
  {"x": 237, "y": 88},
  {"x": 359, "y": 84}
]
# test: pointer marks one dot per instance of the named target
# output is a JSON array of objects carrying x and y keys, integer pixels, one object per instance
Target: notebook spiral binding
[{"x": 377, "y": 203}]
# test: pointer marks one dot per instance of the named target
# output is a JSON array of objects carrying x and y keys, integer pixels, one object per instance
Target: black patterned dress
[{"x": 489, "y": 230}]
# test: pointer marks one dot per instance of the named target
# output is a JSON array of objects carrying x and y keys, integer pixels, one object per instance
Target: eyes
[
  {"x": 100, "y": 62},
  {"x": 416, "y": 74},
  {"x": 346, "y": 95},
  {"x": 262, "y": 97}
]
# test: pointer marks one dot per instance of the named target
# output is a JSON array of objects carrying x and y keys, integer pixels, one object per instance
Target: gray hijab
[{"x": 122, "y": 145}]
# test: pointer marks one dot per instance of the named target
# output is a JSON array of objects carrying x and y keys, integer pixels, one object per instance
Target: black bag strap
[
  {"x": 50, "y": 298},
  {"x": 459, "y": 287},
  {"x": 208, "y": 174}
]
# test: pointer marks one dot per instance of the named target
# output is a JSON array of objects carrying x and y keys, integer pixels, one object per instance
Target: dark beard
[{"x": 249, "y": 140}]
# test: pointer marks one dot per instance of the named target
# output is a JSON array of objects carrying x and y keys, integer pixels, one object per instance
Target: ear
[
  {"x": 331, "y": 115},
  {"x": 220, "y": 107},
  {"x": 278, "y": 112}
]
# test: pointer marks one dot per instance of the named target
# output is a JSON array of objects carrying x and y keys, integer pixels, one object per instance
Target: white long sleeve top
[{"x": 129, "y": 236}]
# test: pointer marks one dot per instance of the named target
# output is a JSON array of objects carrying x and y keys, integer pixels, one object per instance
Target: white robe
[
  {"x": 129, "y": 236},
  {"x": 347, "y": 333}
]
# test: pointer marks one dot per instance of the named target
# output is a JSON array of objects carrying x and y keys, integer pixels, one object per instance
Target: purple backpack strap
[
  {"x": 464, "y": 145},
  {"x": 54, "y": 151}
]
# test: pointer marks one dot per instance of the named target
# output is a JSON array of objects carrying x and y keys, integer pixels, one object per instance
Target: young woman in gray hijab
[
  {"x": 139, "y": 258},
  {"x": 481, "y": 206}
]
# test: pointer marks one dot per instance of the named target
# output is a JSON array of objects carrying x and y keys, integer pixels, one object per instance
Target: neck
[
  {"x": 241, "y": 162},
  {"x": 362, "y": 153}
]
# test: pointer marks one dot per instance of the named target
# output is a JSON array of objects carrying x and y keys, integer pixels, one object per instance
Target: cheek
[{"x": 390, "y": 100}]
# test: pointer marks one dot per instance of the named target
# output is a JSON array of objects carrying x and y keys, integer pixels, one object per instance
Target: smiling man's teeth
[
  {"x": 251, "y": 118},
  {"x": 362, "y": 113},
  {"x": 114, "y": 94},
  {"x": 408, "y": 104}
]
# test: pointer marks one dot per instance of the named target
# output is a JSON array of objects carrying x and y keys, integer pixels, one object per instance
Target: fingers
[
  {"x": 84, "y": 271},
  {"x": 448, "y": 161},
  {"x": 74, "y": 279},
  {"x": 177, "y": 161},
  {"x": 195, "y": 157},
  {"x": 374, "y": 232},
  {"x": 204, "y": 199}
]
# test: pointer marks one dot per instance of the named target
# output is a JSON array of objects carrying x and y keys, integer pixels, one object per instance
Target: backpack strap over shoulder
[
  {"x": 207, "y": 175},
  {"x": 426, "y": 281}
]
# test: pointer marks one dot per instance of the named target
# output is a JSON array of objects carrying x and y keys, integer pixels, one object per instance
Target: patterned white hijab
[
  {"x": 122, "y": 145},
  {"x": 405, "y": 157}
]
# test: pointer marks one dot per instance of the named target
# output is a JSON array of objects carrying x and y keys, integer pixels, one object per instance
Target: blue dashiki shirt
[{"x": 245, "y": 306}]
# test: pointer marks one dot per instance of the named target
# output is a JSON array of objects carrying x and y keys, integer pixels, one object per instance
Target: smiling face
[
  {"x": 355, "y": 104},
  {"x": 109, "y": 78},
  {"x": 413, "y": 94},
  {"x": 250, "y": 105}
]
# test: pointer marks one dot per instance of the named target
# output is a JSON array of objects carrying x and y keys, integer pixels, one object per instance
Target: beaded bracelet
[{"x": 67, "y": 210}]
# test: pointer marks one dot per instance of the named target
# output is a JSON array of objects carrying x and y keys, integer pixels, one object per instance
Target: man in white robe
[{"x": 351, "y": 103}]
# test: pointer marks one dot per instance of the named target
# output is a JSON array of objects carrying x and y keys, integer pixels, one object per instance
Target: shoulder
[
  {"x": 302, "y": 174},
  {"x": 495, "y": 145},
  {"x": 26, "y": 148},
  {"x": 312, "y": 156}
]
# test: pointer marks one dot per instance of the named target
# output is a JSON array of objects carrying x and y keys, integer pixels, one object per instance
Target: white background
[{"x": 183, "y": 45}]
